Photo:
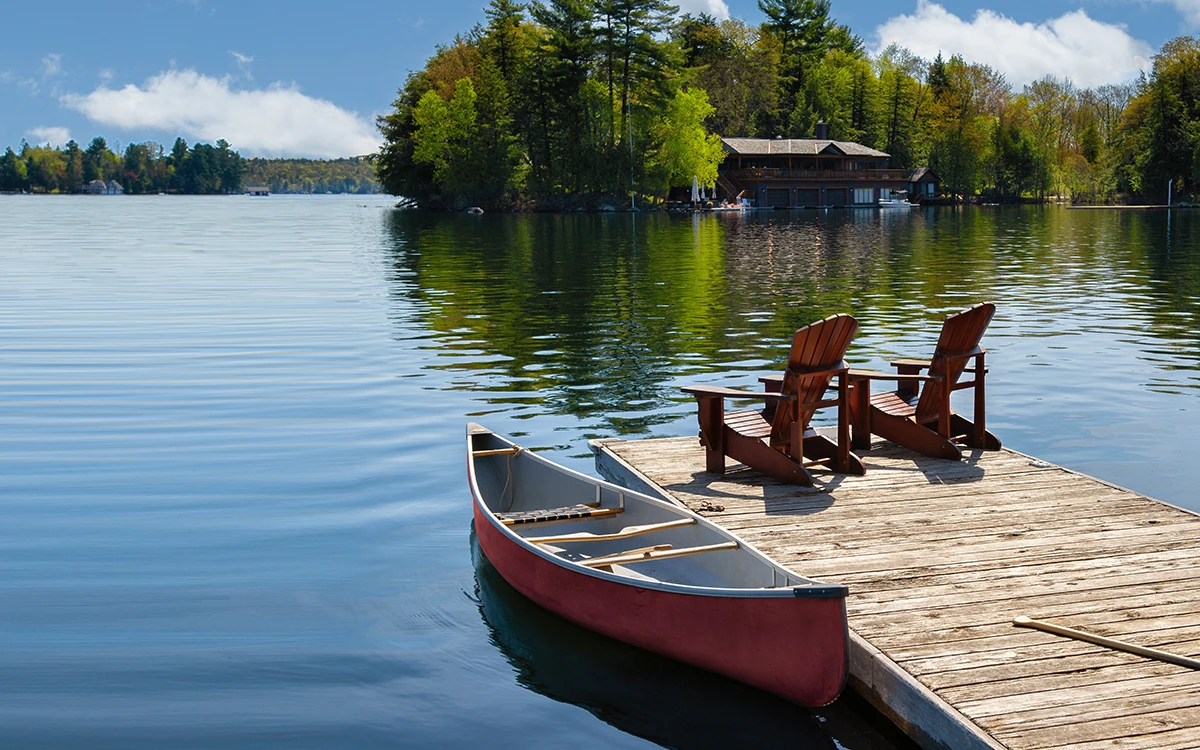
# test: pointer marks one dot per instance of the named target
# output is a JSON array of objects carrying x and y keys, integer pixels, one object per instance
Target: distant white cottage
[{"x": 100, "y": 187}]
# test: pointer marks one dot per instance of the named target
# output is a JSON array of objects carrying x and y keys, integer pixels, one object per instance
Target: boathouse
[
  {"x": 100, "y": 187},
  {"x": 257, "y": 190},
  {"x": 923, "y": 183},
  {"x": 807, "y": 172}
]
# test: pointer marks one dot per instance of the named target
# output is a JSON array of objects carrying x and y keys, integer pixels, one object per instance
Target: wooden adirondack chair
[
  {"x": 925, "y": 422},
  {"x": 776, "y": 440}
]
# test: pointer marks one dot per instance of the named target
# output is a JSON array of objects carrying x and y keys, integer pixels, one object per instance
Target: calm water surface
[{"x": 234, "y": 509}]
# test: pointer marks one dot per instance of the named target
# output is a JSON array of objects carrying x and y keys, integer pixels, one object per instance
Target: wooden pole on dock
[{"x": 1150, "y": 653}]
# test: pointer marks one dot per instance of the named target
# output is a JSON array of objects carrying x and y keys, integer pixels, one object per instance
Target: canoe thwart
[
  {"x": 633, "y": 556},
  {"x": 569, "y": 513},
  {"x": 625, "y": 533},
  {"x": 1099, "y": 640},
  {"x": 499, "y": 452}
]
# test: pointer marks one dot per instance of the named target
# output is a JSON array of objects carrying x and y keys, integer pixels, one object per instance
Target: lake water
[{"x": 234, "y": 509}]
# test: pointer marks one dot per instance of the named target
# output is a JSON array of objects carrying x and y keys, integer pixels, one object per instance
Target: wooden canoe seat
[{"x": 569, "y": 513}]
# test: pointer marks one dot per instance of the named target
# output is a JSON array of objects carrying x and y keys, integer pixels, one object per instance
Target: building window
[{"x": 864, "y": 195}]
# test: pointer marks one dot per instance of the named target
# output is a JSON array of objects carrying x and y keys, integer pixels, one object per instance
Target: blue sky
[{"x": 302, "y": 78}]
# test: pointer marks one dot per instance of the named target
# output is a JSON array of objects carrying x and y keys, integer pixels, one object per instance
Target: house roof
[
  {"x": 923, "y": 173},
  {"x": 796, "y": 147}
]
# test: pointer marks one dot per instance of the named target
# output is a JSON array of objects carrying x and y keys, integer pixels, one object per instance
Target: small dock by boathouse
[{"x": 941, "y": 556}]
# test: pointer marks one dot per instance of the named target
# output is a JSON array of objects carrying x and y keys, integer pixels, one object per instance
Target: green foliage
[
  {"x": 581, "y": 102},
  {"x": 353, "y": 175},
  {"x": 842, "y": 91},
  {"x": 739, "y": 68},
  {"x": 143, "y": 168},
  {"x": 960, "y": 126},
  {"x": 1166, "y": 120},
  {"x": 805, "y": 33},
  {"x": 686, "y": 149},
  {"x": 14, "y": 175},
  {"x": 1015, "y": 164},
  {"x": 47, "y": 169},
  {"x": 466, "y": 143}
]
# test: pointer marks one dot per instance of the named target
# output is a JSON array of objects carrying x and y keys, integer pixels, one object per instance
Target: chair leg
[
  {"x": 766, "y": 460},
  {"x": 843, "y": 416},
  {"x": 860, "y": 414},
  {"x": 978, "y": 435},
  {"x": 963, "y": 426},
  {"x": 711, "y": 414},
  {"x": 817, "y": 445},
  {"x": 914, "y": 436},
  {"x": 944, "y": 413}
]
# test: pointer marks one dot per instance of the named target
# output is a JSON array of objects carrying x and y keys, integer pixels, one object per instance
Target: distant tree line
[
  {"x": 352, "y": 175},
  {"x": 574, "y": 102},
  {"x": 203, "y": 169}
]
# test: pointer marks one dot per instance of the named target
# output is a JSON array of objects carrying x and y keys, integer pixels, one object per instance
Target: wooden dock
[{"x": 940, "y": 556}]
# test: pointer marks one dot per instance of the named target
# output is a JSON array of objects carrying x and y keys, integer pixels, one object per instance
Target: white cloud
[
  {"x": 43, "y": 136},
  {"x": 1073, "y": 46},
  {"x": 51, "y": 65},
  {"x": 1190, "y": 10},
  {"x": 715, "y": 8},
  {"x": 275, "y": 121},
  {"x": 243, "y": 63}
]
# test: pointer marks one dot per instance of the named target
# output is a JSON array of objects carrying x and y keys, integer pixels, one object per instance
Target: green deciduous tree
[
  {"x": 685, "y": 148},
  {"x": 465, "y": 141}
]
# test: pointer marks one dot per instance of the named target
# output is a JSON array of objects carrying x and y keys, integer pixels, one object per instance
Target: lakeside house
[
  {"x": 257, "y": 190},
  {"x": 102, "y": 187},
  {"x": 808, "y": 172}
]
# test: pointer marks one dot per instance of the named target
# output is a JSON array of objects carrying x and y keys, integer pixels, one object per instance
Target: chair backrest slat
[
  {"x": 961, "y": 333},
  {"x": 819, "y": 346}
]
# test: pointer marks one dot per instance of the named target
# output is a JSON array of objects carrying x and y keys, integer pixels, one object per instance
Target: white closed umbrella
[{"x": 695, "y": 189}]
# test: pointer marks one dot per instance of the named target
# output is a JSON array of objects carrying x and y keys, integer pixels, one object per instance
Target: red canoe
[{"x": 654, "y": 574}]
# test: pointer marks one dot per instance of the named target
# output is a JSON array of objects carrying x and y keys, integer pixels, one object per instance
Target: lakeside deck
[{"x": 940, "y": 556}]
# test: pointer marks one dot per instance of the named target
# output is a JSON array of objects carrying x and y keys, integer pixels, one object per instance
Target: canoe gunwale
[{"x": 810, "y": 590}]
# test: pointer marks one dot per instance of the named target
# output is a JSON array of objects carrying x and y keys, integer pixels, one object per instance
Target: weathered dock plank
[{"x": 940, "y": 556}]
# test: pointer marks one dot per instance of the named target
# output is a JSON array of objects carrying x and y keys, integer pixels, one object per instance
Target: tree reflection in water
[{"x": 590, "y": 323}]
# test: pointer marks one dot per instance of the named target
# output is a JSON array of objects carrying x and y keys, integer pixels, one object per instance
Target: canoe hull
[{"x": 795, "y": 647}]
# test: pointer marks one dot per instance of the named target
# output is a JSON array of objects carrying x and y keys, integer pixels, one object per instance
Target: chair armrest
[
  {"x": 778, "y": 378},
  {"x": 967, "y": 354},
  {"x": 716, "y": 390},
  {"x": 921, "y": 363},
  {"x": 874, "y": 375}
]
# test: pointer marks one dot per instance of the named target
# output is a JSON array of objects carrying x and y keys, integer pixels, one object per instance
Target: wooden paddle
[{"x": 1150, "y": 653}]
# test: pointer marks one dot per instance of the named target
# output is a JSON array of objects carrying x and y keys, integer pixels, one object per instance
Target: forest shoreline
[{"x": 585, "y": 100}]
